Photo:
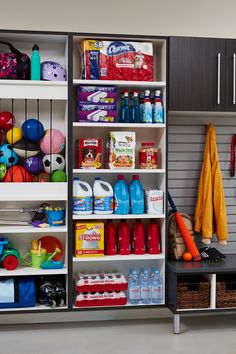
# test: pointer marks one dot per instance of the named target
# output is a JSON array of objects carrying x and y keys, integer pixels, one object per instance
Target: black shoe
[{"x": 211, "y": 254}]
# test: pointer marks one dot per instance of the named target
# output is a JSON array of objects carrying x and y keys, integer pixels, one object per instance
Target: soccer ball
[
  {"x": 8, "y": 155},
  {"x": 53, "y": 162}
]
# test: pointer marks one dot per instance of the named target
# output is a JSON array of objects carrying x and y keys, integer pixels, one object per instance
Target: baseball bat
[{"x": 184, "y": 231}]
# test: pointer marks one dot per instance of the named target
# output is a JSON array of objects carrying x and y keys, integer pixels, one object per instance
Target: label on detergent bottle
[
  {"x": 103, "y": 203},
  {"x": 82, "y": 203}
]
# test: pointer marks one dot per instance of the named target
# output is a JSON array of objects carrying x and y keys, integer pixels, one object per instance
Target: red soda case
[
  {"x": 153, "y": 238},
  {"x": 124, "y": 238},
  {"x": 138, "y": 240},
  {"x": 110, "y": 239}
]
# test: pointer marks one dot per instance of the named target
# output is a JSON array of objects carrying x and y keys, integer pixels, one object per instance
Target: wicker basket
[
  {"x": 225, "y": 294},
  {"x": 192, "y": 295}
]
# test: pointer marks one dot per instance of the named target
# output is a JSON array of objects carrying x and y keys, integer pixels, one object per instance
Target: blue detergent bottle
[
  {"x": 122, "y": 200},
  {"x": 134, "y": 110},
  {"x": 124, "y": 108},
  {"x": 136, "y": 196}
]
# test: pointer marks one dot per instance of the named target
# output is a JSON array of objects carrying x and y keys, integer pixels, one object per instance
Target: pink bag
[{"x": 14, "y": 65}]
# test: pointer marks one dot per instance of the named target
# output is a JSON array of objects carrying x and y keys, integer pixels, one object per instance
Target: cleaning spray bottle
[
  {"x": 147, "y": 108},
  {"x": 158, "y": 115},
  {"x": 134, "y": 110},
  {"x": 124, "y": 108}
]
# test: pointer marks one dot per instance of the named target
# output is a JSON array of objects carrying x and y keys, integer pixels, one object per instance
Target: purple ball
[{"x": 34, "y": 165}]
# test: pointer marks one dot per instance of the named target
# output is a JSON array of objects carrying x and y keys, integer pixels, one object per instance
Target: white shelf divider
[
  {"x": 33, "y": 191},
  {"x": 21, "y": 271},
  {"x": 131, "y": 257},
  {"x": 23, "y": 229},
  {"x": 121, "y": 83},
  {"x": 27, "y": 89},
  {"x": 34, "y": 308},
  {"x": 118, "y": 171},
  {"x": 117, "y": 217},
  {"x": 119, "y": 125}
]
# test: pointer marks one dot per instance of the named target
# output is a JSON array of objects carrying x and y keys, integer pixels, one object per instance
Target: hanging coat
[{"x": 210, "y": 211}]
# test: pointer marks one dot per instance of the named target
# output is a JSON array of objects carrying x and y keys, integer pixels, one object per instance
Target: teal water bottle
[{"x": 35, "y": 63}]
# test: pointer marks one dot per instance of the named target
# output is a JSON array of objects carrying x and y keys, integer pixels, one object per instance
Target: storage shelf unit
[{"x": 23, "y": 229}]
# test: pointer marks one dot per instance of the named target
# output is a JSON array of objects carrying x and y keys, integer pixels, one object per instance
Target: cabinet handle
[
  {"x": 234, "y": 100},
  {"x": 218, "y": 80}
]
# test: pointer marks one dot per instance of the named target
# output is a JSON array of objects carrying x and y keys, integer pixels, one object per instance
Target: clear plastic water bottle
[
  {"x": 129, "y": 274},
  {"x": 133, "y": 287},
  {"x": 156, "y": 286},
  {"x": 145, "y": 288}
]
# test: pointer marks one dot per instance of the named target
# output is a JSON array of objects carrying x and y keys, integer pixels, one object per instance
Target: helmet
[{"x": 52, "y": 71}]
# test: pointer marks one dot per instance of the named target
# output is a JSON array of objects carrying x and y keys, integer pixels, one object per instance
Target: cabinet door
[
  {"x": 231, "y": 75},
  {"x": 196, "y": 74}
]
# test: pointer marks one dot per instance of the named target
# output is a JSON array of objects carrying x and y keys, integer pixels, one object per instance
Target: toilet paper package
[
  {"x": 89, "y": 239},
  {"x": 96, "y": 94},
  {"x": 117, "y": 60},
  {"x": 102, "y": 113}
]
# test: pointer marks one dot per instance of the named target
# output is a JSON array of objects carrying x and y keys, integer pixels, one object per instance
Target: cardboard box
[{"x": 89, "y": 239}]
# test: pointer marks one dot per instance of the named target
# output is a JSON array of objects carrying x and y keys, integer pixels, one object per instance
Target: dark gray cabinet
[{"x": 201, "y": 74}]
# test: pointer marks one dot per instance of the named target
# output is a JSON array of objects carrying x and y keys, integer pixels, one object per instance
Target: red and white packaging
[
  {"x": 100, "y": 282},
  {"x": 154, "y": 201},
  {"x": 117, "y": 60},
  {"x": 101, "y": 299}
]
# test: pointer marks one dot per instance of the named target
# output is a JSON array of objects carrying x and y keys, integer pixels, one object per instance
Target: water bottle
[
  {"x": 35, "y": 63},
  {"x": 133, "y": 288},
  {"x": 145, "y": 288},
  {"x": 156, "y": 286}
]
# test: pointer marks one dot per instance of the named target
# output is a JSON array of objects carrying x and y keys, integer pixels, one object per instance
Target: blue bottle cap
[{"x": 97, "y": 178}]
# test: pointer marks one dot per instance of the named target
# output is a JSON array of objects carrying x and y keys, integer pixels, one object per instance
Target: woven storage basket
[
  {"x": 193, "y": 295},
  {"x": 225, "y": 294}
]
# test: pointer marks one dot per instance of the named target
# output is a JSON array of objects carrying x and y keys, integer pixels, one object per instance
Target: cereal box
[
  {"x": 90, "y": 153},
  {"x": 121, "y": 150},
  {"x": 117, "y": 60},
  {"x": 89, "y": 239}
]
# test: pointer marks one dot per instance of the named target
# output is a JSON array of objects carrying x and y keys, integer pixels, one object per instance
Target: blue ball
[
  {"x": 8, "y": 155},
  {"x": 32, "y": 129},
  {"x": 33, "y": 165}
]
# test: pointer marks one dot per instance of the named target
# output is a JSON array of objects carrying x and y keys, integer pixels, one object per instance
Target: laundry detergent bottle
[
  {"x": 82, "y": 197},
  {"x": 122, "y": 201},
  {"x": 110, "y": 238},
  {"x": 124, "y": 244},
  {"x": 136, "y": 196},
  {"x": 103, "y": 197},
  {"x": 138, "y": 238}
]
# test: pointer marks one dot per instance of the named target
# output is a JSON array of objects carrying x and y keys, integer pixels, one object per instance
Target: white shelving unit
[
  {"x": 155, "y": 179},
  {"x": 36, "y": 99}
]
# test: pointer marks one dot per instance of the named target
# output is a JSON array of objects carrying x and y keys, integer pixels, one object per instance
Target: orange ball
[{"x": 187, "y": 257}]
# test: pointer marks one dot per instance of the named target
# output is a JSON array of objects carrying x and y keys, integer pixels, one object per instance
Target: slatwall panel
[{"x": 186, "y": 134}]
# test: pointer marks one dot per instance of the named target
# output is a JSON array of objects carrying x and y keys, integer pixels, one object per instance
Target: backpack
[
  {"x": 176, "y": 244},
  {"x": 14, "y": 65}
]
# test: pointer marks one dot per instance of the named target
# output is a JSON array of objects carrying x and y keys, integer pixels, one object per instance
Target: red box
[{"x": 89, "y": 153}]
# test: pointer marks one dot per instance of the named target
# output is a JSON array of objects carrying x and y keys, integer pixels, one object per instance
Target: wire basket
[{"x": 193, "y": 293}]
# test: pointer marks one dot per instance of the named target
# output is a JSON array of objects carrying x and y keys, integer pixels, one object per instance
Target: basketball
[
  {"x": 53, "y": 142},
  {"x": 17, "y": 174}
]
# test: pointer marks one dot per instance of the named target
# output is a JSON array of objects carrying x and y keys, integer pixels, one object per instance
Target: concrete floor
[{"x": 208, "y": 335}]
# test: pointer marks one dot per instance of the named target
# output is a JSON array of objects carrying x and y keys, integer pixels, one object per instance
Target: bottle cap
[
  {"x": 135, "y": 177},
  {"x": 76, "y": 178},
  {"x": 147, "y": 93},
  {"x": 135, "y": 92},
  {"x": 97, "y": 178},
  {"x": 148, "y": 143},
  {"x": 121, "y": 177},
  {"x": 35, "y": 47}
]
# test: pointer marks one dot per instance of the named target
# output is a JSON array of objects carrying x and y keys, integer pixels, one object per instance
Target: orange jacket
[{"x": 210, "y": 211}]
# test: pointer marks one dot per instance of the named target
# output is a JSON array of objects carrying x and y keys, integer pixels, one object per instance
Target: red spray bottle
[
  {"x": 124, "y": 238},
  {"x": 138, "y": 241},
  {"x": 110, "y": 239},
  {"x": 153, "y": 238}
]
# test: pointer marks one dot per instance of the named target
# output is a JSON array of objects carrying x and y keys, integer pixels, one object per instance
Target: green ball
[
  {"x": 3, "y": 170},
  {"x": 59, "y": 176}
]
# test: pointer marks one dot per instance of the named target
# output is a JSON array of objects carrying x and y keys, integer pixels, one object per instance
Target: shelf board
[
  {"x": 19, "y": 229},
  {"x": 121, "y": 83},
  {"x": 34, "y": 308},
  {"x": 27, "y": 89},
  {"x": 117, "y": 217},
  {"x": 121, "y": 170},
  {"x": 118, "y": 125},
  {"x": 33, "y": 191},
  {"x": 21, "y": 270},
  {"x": 131, "y": 257},
  {"x": 117, "y": 306}
]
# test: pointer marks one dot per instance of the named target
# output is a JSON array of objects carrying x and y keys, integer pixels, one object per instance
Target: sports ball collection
[{"x": 30, "y": 153}]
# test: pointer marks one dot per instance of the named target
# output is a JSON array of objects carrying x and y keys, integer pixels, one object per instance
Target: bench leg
[{"x": 176, "y": 324}]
